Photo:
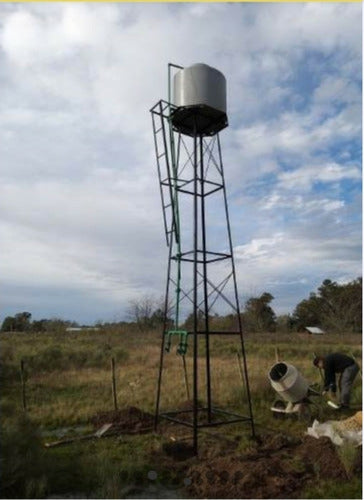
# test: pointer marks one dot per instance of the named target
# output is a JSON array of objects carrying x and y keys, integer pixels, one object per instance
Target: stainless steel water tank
[{"x": 200, "y": 99}]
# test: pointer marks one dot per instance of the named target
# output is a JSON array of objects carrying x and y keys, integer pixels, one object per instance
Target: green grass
[
  {"x": 68, "y": 380},
  {"x": 335, "y": 489}
]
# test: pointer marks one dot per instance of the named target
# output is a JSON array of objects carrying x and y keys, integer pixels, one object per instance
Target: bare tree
[{"x": 141, "y": 310}]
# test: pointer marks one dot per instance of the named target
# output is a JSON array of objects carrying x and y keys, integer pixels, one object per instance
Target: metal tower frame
[{"x": 174, "y": 157}]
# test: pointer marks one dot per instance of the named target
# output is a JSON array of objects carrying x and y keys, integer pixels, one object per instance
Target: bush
[
  {"x": 8, "y": 373},
  {"x": 56, "y": 358},
  {"x": 21, "y": 457}
]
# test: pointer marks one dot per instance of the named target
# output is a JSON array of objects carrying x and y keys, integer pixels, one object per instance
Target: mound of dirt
[
  {"x": 278, "y": 469},
  {"x": 237, "y": 478},
  {"x": 321, "y": 458},
  {"x": 129, "y": 419}
]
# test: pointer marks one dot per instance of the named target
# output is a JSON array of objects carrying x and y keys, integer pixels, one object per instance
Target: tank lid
[{"x": 203, "y": 65}]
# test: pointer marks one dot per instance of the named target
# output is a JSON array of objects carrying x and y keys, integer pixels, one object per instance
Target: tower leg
[
  {"x": 159, "y": 384},
  {"x": 236, "y": 295},
  {"x": 195, "y": 296},
  {"x": 205, "y": 293}
]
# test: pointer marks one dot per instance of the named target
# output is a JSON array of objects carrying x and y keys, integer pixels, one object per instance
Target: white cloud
[
  {"x": 79, "y": 190},
  {"x": 306, "y": 176},
  {"x": 302, "y": 204},
  {"x": 283, "y": 260}
]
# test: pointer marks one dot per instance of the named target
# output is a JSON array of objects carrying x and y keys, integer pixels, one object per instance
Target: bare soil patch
[
  {"x": 320, "y": 457},
  {"x": 126, "y": 420},
  {"x": 280, "y": 468}
]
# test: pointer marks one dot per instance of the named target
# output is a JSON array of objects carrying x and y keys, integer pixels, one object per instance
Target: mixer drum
[{"x": 288, "y": 382}]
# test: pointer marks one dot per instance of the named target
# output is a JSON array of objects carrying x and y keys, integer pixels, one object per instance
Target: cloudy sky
[{"x": 81, "y": 226}]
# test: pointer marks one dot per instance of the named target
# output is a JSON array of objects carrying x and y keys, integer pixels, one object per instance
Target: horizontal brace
[
  {"x": 208, "y": 252},
  {"x": 220, "y": 254},
  {"x": 203, "y": 332},
  {"x": 224, "y": 422},
  {"x": 219, "y": 258},
  {"x": 207, "y": 424},
  {"x": 238, "y": 418},
  {"x": 177, "y": 412},
  {"x": 160, "y": 114},
  {"x": 180, "y": 190},
  {"x": 176, "y": 420},
  {"x": 213, "y": 191},
  {"x": 162, "y": 105},
  {"x": 201, "y": 261},
  {"x": 168, "y": 183},
  {"x": 219, "y": 410}
]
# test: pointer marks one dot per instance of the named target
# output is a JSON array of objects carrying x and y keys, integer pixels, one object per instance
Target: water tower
[{"x": 200, "y": 272}]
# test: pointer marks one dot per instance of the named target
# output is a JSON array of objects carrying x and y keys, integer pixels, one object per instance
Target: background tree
[
  {"x": 284, "y": 323},
  {"x": 146, "y": 312},
  {"x": 140, "y": 311},
  {"x": 39, "y": 325},
  {"x": 307, "y": 313},
  {"x": 22, "y": 321},
  {"x": 335, "y": 307},
  {"x": 8, "y": 324},
  {"x": 18, "y": 323},
  {"x": 225, "y": 323},
  {"x": 57, "y": 325},
  {"x": 189, "y": 322},
  {"x": 258, "y": 315}
]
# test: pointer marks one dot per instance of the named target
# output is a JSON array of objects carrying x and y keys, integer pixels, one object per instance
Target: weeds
[
  {"x": 348, "y": 455},
  {"x": 69, "y": 380},
  {"x": 53, "y": 358},
  {"x": 22, "y": 457},
  {"x": 335, "y": 489}
]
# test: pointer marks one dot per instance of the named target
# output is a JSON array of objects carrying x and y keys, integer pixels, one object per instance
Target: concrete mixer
[{"x": 295, "y": 393}]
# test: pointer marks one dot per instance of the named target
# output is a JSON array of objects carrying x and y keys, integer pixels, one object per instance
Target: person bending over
[{"x": 345, "y": 366}]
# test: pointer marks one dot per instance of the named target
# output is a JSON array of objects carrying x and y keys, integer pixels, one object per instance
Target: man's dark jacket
[{"x": 335, "y": 363}]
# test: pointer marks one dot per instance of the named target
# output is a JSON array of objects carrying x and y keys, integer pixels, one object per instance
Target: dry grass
[
  {"x": 60, "y": 393},
  {"x": 69, "y": 380}
]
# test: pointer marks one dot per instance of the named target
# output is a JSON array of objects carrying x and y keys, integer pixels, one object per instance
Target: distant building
[
  {"x": 315, "y": 330},
  {"x": 81, "y": 328}
]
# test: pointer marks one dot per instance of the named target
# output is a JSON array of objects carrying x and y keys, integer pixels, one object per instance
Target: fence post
[
  {"x": 113, "y": 383},
  {"x": 22, "y": 378}
]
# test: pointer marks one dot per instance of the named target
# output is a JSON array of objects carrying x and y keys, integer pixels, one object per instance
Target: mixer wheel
[{"x": 279, "y": 405}]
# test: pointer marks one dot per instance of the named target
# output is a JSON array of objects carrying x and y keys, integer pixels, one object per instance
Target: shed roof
[{"x": 315, "y": 329}]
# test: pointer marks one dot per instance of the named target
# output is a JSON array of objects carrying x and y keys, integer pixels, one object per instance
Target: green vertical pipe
[
  {"x": 186, "y": 377},
  {"x": 175, "y": 204}
]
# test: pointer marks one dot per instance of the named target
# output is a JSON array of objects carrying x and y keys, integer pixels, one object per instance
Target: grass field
[{"x": 68, "y": 380}]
